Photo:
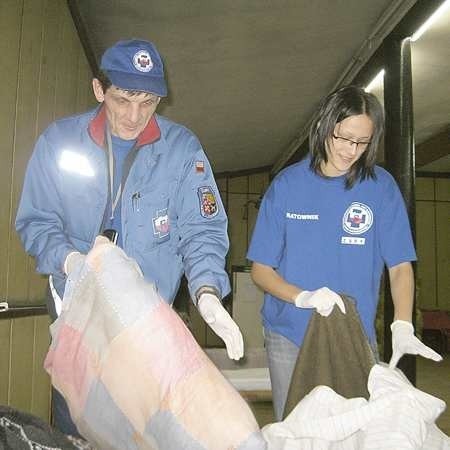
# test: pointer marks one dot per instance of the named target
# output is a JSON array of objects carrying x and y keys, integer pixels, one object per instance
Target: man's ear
[{"x": 98, "y": 90}]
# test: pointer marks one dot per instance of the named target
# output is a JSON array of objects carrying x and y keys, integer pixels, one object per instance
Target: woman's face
[{"x": 348, "y": 142}]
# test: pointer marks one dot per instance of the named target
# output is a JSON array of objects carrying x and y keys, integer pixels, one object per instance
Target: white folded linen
[{"x": 396, "y": 416}]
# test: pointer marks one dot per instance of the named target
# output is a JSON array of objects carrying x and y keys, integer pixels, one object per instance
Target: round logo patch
[
  {"x": 357, "y": 219},
  {"x": 142, "y": 61}
]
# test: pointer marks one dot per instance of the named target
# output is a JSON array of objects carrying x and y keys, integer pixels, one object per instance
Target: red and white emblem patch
[
  {"x": 142, "y": 61},
  {"x": 199, "y": 166},
  {"x": 208, "y": 203}
]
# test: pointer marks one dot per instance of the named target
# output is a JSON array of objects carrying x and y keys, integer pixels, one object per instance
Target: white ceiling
[{"x": 246, "y": 75}]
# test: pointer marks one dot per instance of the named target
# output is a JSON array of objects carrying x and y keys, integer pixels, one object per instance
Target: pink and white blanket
[{"x": 132, "y": 373}]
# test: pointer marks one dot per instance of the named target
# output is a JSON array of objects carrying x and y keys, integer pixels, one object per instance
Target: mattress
[{"x": 249, "y": 379}]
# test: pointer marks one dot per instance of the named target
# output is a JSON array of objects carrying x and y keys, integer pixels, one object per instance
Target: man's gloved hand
[
  {"x": 322, "y": 299},
  {"x": 101, "y": 240},
  {"x": 404, "y": 341},
  {"x": 216, "y": 316},
  {"x": 73, "y": 259},
  {"x": 76, "y": 258}
]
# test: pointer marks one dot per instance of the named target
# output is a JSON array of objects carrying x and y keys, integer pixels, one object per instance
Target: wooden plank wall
[
  {"x": 433, "y": 243},
  {"x": 240, "y": 196},
  {"x": 44, "y": 76}
]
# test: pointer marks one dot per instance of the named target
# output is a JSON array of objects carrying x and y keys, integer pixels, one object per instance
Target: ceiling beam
[
  {"x": 434, "y": 148},
  {"x": 83, "y": 35},
  {"x": 242, "y": 173}
]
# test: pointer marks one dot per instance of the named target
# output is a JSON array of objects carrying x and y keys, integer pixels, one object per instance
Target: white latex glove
[
  {"x": 101, "y": 240},
  {"x": 322, "y": 299},
  {"x": 216, "y": 316},
  {"x": 404, "y": 341},
  {"x": 72, "y": 260}
]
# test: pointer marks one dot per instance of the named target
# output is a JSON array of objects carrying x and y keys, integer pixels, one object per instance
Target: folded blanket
[{"x": 131, "y": 372}]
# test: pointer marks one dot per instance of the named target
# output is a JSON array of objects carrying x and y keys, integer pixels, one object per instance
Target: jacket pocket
[{"x": 152, "y": 219}]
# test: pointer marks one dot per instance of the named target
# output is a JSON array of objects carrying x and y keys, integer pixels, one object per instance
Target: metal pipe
[{"x": 399, "y": 159}]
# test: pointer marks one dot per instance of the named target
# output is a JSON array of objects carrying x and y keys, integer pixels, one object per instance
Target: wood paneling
[
  {"x": 443, "y": 254},
  {"x": 10, "y": 26},
  {"x": 24, "y": 344},
  {"x": 49, "y": 64},
  {"x": 424, "y": 188},
  {"x": 238, "y": 185},
  {"x": 67, "y": 67},
  {"x": 237, "y": 229},
  {"x": 47, "y": 77},
  {"x": 252, "y": 214},
  {"x": 243, "y": 194},
  {"x": 40, "y": 400},
  {"x": 44, "y": 76},
  {"x": 426, "y": 253},
  {"x": 22, "y": 353},
  {"x": 25, "y": 136},
  {"x": 258, "y": 183},
  {"x": 5, "y": 360},
  {"x": 443, "y": 190},
  {"x": 433, "y": 242}
]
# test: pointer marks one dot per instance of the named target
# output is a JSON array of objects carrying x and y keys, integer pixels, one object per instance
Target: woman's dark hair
[{"x": 345, "y": 102}]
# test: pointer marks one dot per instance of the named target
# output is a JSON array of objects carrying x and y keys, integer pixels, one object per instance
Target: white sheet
[{"x": 397, "y": 416}]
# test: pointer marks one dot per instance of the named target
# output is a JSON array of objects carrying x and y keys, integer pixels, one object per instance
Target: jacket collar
[{"x": 151, "y": 132}]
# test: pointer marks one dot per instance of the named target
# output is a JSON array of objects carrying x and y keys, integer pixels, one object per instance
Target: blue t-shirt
[
  {"x": 121, "y": 149},
  {"x": 316, "y": 233}
]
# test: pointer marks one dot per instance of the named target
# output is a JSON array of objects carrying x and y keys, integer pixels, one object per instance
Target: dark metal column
[{"x": 399, "y": 158}]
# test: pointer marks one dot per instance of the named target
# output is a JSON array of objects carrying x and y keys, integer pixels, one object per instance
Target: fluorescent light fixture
[
  {"x": 427, "y": 24},
  {"x": 378, "y": 79}
]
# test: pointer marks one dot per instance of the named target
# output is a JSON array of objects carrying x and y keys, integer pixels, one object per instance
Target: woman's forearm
[{"x": 270, "y": 281}]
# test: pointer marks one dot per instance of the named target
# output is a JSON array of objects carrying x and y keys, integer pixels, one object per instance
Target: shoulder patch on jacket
[
  {"x": 208, "y": 203},
  {"x": 199, "y": 166}
]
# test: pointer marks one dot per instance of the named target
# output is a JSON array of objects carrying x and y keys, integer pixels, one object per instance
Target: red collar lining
[{"x": 151, "y": 132}]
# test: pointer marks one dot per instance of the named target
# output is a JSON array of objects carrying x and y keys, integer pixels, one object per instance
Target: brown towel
[{"x": 335, "y": 353}]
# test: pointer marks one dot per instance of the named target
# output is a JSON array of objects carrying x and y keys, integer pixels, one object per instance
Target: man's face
[{"x": 127, "y": 114}]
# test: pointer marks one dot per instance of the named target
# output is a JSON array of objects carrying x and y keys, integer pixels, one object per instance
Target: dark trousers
[
  {"x": 60, "y": 411},
  {"x": 61, "y": 416}
]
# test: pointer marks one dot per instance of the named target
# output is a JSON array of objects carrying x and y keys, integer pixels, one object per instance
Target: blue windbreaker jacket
[{"x": 173, "y": 220}]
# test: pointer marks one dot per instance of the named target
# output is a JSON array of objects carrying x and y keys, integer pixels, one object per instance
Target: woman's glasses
[{"x": 361, "y": 145}]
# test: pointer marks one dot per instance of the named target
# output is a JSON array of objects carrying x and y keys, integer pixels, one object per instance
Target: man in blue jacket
[{"x": 123, "y": 168}]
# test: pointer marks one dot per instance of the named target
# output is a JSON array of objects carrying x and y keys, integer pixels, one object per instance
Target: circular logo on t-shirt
[
  {"x": 142, "y": 61},
  {"x": 357, "y": 219}
]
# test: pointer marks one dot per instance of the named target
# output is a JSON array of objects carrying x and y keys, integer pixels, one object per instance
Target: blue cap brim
[{"x": 142, "y": 83}]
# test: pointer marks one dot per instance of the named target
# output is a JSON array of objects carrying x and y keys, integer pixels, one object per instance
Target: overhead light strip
[
  {"x": 427, "y": 24},
  {"x": 378, "y": 79}
]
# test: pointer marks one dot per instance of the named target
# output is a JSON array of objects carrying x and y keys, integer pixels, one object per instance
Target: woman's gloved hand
[
  {"x": 322, "y": 299},
  {"x": 216, "y": 316},
  {"x": 404, "y": 342}
]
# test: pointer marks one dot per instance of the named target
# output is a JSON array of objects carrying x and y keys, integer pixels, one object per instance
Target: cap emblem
[{"x": 142, "y": 61}]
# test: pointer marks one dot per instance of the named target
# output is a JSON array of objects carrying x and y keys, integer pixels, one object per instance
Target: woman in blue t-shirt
[{"x": 327, "y": 225}]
